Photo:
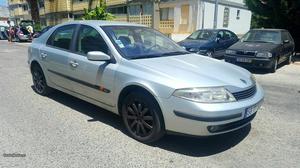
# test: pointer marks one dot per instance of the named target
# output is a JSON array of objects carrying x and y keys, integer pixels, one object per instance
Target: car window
[
  {"x": 227, "y": 35},
  {"x": 202, "y": 35},
  {"x": 286, "y": 36},
  {"x": 220, "y": 35},
  {"x": 89, "y": 39},
  {"x": 141, "y": 42},
  {"x": 62, "y": 37}
]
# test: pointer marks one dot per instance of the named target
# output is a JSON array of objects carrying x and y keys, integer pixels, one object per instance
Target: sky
[{"x": 3, "y": 2}]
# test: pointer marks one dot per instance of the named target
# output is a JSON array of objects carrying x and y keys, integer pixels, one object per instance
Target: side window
[
  {"x": 89, "y": 39},
  {"x": 62, "y": 37},
  {"x": 227, "y": 35},
  {"x": 220, "y": 35}
]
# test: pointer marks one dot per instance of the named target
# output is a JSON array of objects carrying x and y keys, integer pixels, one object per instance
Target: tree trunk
[
  {"x": 90, "y": 4},
  {"x": 34, "y": 10}
]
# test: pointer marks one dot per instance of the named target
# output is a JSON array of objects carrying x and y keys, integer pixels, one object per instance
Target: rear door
[
  {"x": 55, "y": 55},
  {"x": 92, "y": 79}
]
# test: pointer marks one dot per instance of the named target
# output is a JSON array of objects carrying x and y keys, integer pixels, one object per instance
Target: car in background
[
  {"x": 39, "y": 33},
  {"x": 23, "y": 32},
  {"x": 145, "y": 77},
  {"x": 262, "y": 48},
  {"x": 3, "y": 32},
  {"x": 209, "y": 42}
]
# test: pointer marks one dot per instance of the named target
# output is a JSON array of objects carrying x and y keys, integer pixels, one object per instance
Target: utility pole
[{"x": 216, "y": 13}]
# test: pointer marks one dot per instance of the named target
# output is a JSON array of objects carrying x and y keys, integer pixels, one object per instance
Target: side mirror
[
  {"x": 97, "y": 56},
  {"x": 286, "y": 41}
]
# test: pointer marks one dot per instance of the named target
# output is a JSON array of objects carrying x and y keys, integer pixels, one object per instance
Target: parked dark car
[
  {"x": 39, "y": 33},
  {"x": 209, "y": 42},
  {"x": 262, "y": 48}
]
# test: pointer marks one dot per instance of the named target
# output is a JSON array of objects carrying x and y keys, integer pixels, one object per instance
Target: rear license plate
[
  {"x": 251, "y": 110},
  {"x": 246, "y": 60}
]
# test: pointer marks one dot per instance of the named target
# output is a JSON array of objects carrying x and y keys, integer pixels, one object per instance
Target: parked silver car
[{"x": 146, "y": 78}]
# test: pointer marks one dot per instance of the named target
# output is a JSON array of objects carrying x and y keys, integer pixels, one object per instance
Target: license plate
[
  {"x": 251, "y": 110},
  {"x": 247, "y": 60}
]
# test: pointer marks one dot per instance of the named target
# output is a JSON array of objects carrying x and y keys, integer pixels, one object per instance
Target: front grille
[
  {"x": 246, "y": 53},
  {"x": 245, "y": 93}
]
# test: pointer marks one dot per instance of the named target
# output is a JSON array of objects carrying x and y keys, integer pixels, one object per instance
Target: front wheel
[
  {"x": 274, "y": 66},
  {"x": 142, "y": 117}
]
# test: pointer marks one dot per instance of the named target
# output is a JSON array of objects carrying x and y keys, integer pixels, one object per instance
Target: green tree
[
  {"x": 283, "y": 14},
  {"x": 99, "y": 13}
]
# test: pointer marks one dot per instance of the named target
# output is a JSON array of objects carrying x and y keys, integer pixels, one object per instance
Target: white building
[{"x": 191, "y": 15}]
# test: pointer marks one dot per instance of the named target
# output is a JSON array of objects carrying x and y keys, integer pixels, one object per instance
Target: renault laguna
[{"x": 151, "y": 82}]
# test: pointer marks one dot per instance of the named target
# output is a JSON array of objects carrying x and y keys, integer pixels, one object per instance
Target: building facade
[
  {"x": 176, "y": 18},
  {"x": 18, "y": 10}
]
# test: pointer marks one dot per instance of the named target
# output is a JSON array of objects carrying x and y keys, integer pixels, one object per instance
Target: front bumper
[
  {"x": 187, "y": 117},
  {"x": 255, "y": 62}
]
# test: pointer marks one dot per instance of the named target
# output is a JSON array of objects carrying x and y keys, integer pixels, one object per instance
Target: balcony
[
  {"x": 14, "y": 2},
  {"x": 79, "y": 6},
  {"x": 115, "y": 2},
  {"x": 52, "y": 6},
  {"x": 166, "y": 26},
  {"x": 141, "y": 19}
]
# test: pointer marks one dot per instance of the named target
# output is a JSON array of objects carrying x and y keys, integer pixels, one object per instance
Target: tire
[
  {"x": 274, "y": 66},
  {"x": 39, "y": 81},
  {"x": 290, "y": 59},
  {"x": 142, "y": 117}
]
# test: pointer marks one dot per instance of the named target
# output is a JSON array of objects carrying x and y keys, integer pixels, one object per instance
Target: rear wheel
[
  {"x": 39, "y": 81},
  {"x": 142, "y": 117}
]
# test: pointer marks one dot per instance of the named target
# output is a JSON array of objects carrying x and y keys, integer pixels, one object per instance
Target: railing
[
  {"x": 57, "y": 6},
  {"x": 115, "y": 2},
  {"x": 141, "y": 19},
  {"x": 166, "y": 26},
  {"x": 121, "y": 18}
]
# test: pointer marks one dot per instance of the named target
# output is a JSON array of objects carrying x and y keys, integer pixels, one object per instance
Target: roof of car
[
  {"x": 270, "y": 29},
  {"x": 103, "y": 23}
]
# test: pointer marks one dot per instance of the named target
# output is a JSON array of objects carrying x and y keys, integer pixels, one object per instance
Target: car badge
[{"x": 244, "y": 81}]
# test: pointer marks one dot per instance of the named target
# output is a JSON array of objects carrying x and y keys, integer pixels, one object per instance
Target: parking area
[{"x": 63, "y": 131}]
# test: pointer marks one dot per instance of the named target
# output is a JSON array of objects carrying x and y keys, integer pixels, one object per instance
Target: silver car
[{"x": 138, "y": 73}]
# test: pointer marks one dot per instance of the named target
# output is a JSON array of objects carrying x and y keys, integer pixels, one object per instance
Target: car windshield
[
  {"x": 141, "y": 42},
  {"x": 262, "y": 36},
  {"x": 202, "y": 35}
]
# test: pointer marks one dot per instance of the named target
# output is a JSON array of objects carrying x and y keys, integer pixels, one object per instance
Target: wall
[{"x": 238, "y": 26}]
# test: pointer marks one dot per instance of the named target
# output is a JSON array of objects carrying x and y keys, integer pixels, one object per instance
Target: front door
[{"x": 92, "y": 79}]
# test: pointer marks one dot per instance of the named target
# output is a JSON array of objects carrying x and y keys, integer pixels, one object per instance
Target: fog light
[{"x": 212, "y": 128}]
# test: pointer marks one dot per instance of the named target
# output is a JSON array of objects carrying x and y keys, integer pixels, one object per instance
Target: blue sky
[{"x": 3, "y": 2}]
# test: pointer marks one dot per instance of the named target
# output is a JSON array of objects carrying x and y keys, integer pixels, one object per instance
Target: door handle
[
  {"x": 74, "y": 64},
  {"x": 43, "y": 55}
]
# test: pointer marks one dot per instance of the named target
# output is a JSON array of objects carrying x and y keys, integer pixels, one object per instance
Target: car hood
[
  {"x": 249, "y": 46},
  {"x": 192, "y": 70},
  {"x": 193, "y": 43}
]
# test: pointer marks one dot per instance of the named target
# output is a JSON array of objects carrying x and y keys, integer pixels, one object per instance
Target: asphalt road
[{"x": 63, "y": 131}]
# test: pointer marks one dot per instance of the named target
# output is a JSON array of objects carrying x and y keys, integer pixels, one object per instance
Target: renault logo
[{"x": 244, "y": 81}]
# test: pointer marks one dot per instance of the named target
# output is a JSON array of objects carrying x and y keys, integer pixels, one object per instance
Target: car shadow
[{"x": 186, "y": 145}]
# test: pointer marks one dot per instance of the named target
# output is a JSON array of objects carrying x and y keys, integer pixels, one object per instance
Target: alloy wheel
[
  {"x": 39, "y": 81},
  {"x": 139, "y": 119}
]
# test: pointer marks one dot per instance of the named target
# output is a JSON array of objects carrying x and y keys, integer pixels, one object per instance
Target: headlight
[
  {"x": 253, "y": 79},
  {"x": 205, "y": 95},
  {"x": 230, "y": 52},
  {"x": 264, "y": 55},
  {"x": 193, "y": 49}
]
